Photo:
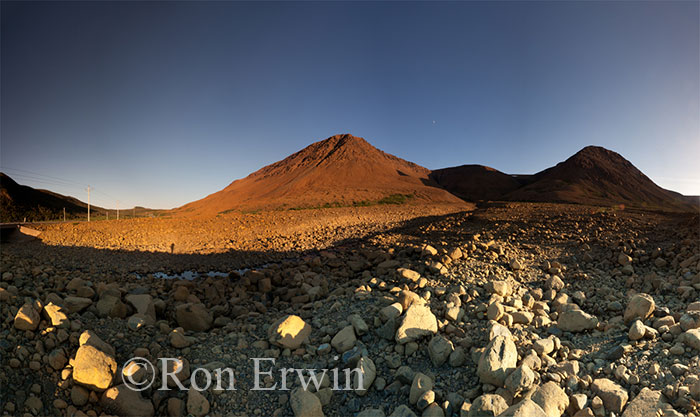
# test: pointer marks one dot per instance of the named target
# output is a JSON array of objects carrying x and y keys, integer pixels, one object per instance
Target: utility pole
[
  {"x": 88, "y": 190},
  {"x": 117, "y": 209}
]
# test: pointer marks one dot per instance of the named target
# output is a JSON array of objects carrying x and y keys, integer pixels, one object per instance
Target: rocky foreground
[{"x": 510, "y": 310}]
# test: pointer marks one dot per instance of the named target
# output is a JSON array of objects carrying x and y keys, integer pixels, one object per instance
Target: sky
[{"x": 158, "y": 104}]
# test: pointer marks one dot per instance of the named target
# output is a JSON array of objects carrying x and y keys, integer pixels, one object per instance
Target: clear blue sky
[{"x": 161, "y": 103}]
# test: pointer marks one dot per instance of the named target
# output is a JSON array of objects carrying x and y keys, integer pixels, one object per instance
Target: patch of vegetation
[{"x": 395, "y": 199}]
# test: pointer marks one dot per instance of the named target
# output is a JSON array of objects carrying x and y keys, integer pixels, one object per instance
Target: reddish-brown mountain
[
  {"x": 475, "y": 182},
  {"x": 342, "y": 169},
  {"x": 598, "y": 176}
]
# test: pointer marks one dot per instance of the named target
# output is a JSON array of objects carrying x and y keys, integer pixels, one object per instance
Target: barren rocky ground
[{"x": 512, "y": 309}]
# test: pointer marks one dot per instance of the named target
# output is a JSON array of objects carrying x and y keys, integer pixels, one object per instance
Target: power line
[
  {"x": 27, "y": 175},
  {"x": 44, "y": 181},
  {"x": 51, "y": 177}
]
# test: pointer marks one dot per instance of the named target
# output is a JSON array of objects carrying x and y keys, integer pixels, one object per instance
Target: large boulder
[
  {"x": 344, "y": 340},
  {"x": 289, "y": 332},
  {"x": 551, "y": 398},
  {"x": 640, "y": 307},
  {"x": 76, "y": 304},
  {"x": 143, "y": 304},
  {"x": 692, "y": 338},
  {"x": 614, "y": 396},
  {"x": 520, "y": 380},
  {"x": 576, "y": 320},
  {"x": 194, "y": 317},
  {"x": 56, "y": 315},
  {"x": 93, "y": 368},
  {"x": 497, "y": 361},
  {"x": 488, "y": 405},
  {"x": 646, "y": 403},
  {"x": 421, "y": 383},
  {"x": 418, "y": 322},
  {"x": 439, "y": 349},
  {"x": 27, "y": 318},
  {"x": 368, "y": 370},
  {"x": 305, "y": 404}
]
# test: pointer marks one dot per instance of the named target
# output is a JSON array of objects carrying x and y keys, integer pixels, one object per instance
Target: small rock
[{"x": 637, "y": 330}]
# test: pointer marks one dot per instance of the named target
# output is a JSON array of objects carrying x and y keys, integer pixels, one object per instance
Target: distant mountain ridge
[
  {"x": 18, "y": 202},
  {"x": 475, "y": 182},
  {"x": 345, "y": 170}
]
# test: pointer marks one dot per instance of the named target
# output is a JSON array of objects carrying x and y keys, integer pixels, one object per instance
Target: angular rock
[
  {"x": 56, "y": 315},
  {"x": 88, "y": 337},
  {"x": 421, "y": 384},
  {"x": 640, "y": 307},
  {"x": 520, "y": 380},
  {"x": 76, "y": 304},
  {"x": 488, "y": 405},
  {"x": 576, "y": 321},
  {"x": 409, "y": 274},
  {"x": 94, "y": 368},
  {"x": 439, "y": 349},
  {"x": 637, "y": 330},
  {"x": 692, "y": 338},
  {"x": 501, "y": 288},
  {"x": 358, "y": 324},
  {"x": 111, "y": 306},
  {"x": 551, "y": 398},
  {"x": 194, "y": 317},
  {"x": 525, "y": 408},
  {"x": 646, "y": 403},
  {"x": 290, "y": 332},
  {"x": 143, "y": 304},
  {"x": 418, "y": 322},
  {"x": 390, "y": 312},
  {"x": 344, "y": 340},
  {"x": 614, "y": 396},
  {"x": 305, "y": 404},
  {"x": 27, "y": 318},
  {"x": 197, "y": 404},
  {"x": 368, "y": 371},
  {"x": 498, "y": 359},
  {"x": 123, "y": 401}
]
